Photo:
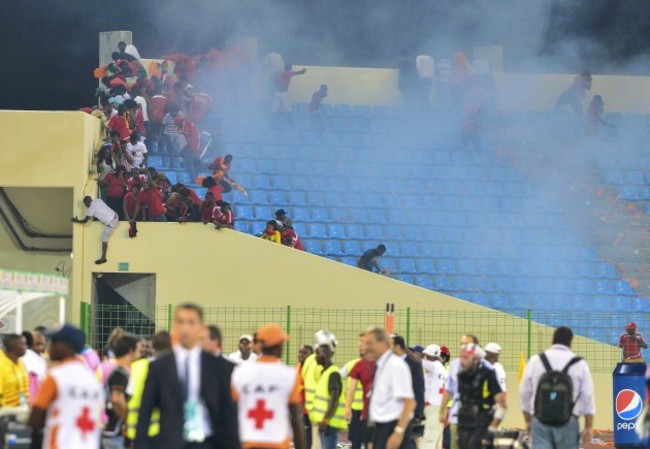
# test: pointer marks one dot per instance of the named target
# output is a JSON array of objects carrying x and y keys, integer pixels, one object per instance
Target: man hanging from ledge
[{"x": 98, "y": 210}]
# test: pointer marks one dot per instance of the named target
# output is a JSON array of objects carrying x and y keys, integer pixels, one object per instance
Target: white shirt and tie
[{"x": 188, "y": 365}]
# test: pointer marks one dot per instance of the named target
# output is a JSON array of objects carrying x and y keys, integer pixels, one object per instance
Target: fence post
[
  {"x": 170, "y": 313},
  {"x": 83, "y": 318},
  {"x": 408, "y": 326},
  {"x": 530, "y": 333},
  {"x": 288, "y": 348}
]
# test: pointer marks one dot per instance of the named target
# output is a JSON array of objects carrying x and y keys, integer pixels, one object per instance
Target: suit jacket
[
  {"x": 163, "y": 390},
  {"x": 417, "y": 375}
]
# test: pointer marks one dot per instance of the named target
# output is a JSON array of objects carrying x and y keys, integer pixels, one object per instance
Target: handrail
[
  {"x": 26, "y": 226},
  {"x": 20, "y": 242}
]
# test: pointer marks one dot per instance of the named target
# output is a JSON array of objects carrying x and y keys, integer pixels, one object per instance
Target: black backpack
[{"x": 554, "y": 397}]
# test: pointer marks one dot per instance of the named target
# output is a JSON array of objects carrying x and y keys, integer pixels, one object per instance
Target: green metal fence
[{"x": 519, "y": 335}]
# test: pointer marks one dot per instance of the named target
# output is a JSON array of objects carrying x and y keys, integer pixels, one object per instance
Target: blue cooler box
[{"x": 629, "y": 395}]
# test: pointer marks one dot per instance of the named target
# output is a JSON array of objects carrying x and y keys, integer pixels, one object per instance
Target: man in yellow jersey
[
  {"x": 14, "y": 382},
  {"x": 328, "y": 409},
  {"x": 160, "y": 343},
  {"x": 311, "y": 373},
  {"x": 268, "y": 395}
]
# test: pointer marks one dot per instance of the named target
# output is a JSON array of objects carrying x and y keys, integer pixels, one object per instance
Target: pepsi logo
[{"x": 628, "y": 405}]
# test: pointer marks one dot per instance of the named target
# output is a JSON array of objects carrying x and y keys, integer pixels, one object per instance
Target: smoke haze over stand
[{"x": 55, "y": 42}]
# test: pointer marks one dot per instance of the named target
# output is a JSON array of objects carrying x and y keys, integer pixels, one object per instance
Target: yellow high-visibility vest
[
  {"x": 139, "y": 372},
  {"x": 357, "y": 402},
  {"x": 311, "y": 374},
  {"x": 322, "y": 400}
]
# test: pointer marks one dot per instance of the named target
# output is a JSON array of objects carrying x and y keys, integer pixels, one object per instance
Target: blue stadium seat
[
  {"x": 356, "y": 215},
  {"x": 317, "y": 230},
  {"x": 623, "y": 304},
  {"x": 277, "y": 198},
  {"x": 424, "y": 281},
  {"x": 155, "y": 162},
  {"x": 467, "y": 267},
  {"x": 606, "y": 288},
  {"x": 623, "y": 288},
  {"x": 442, "y": 284},
  {"x": 295, "y": 198},
  {"x": 258, "y": 197},
  {"x": 352, "y": 248},
  {"x": 352, "y": 261},
  {"x": 585, "y": 287},
  {"x": 392, "y": 233},
  {"x": 409, "y": 249},
  {"x": 630, "y": 193},
  {"x": 301, "y": 214},
  {"x": 405, "y": 278},
  {"x": 337, "y": 231},
  {"x": 314, "y": 247},
  {"x": 464, "y": 283},
  {"x": 406, "y": 266},
  {"x": 426, "y": 265},
  {"x": 244, "y": 212},
  {"x": 171, "y": 175},
  {"x": 507, "y": 267},
  {"x": 338, "y": 215},
  {"x": 299, "y": 183},
  {"x": 505, "y": 285},
  {"x": 487, "y": 267},
  {"x": 315, "y": 199},
  {"x": 375, "y": 216},
  {"x": 319, "y": 214},
  {"x": 300, "y": 228},
  {"x": 261, "y": 182},
  {"x": 614, "y": 177},
  {"x": 484, "y": 284},
  {"x": 607, "y": 271},
  {"x": 265, "y": 166},
  {"x": 280, "y": 182},
  {"x": 429, "y": 249},
  {"x": 449, "y": 250},
  {"x": 480, "y": 299},
  {"x": 447, "y": 266},
  {"x": 263, "y": 213},
  {"x": 355, "y": 231},
  {"x": 242, "y": 226},
  {"x": 374, "y": 232},
  {"x": 634, "y": 177},
  {"x": 258, "y": 228},
  {"x": 500, "y": 302},
  {"x": 333, "y": 248}
]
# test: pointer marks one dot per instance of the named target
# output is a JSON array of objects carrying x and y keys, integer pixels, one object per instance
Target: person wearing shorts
[{"x": 98, "y": 210}]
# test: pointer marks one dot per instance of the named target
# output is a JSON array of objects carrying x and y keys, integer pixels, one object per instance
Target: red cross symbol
[
  {"x": 84, "y": 423},
  {"x": 260, "y": 414}
]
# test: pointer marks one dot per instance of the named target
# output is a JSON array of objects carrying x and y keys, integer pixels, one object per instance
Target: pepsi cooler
[{"x": 629, "y": 394}]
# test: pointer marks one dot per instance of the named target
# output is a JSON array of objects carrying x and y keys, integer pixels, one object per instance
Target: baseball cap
[
  {"x": 444, "y": 350},
  {"x": 630, "y": 325},
  {"x": 246, "y": 337},
  {"x": 68, "y": 334},
  {"x": 271, "y": 335},
  {"x": 280, "y": 212},
  {"x": 494, "y": 348},
  {"x": 432, "y": 350},
  {"x": 417, "y": 348}
]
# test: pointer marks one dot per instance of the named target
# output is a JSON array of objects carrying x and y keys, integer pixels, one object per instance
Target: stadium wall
[{"x": 515, "y": 91}]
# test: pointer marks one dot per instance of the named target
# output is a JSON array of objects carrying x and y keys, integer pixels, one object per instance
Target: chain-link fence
[{"x": 522, "y": 334}]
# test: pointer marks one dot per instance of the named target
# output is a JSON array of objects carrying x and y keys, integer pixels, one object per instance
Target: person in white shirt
[
  {"x": 492, "y": 352},
  {"x": 137, "y": 150},
  {"x": 426, "y": 68},
  {"x": 129, "y": 49},
  {"x": 559, "y": 356},
  {"x": 245, "y": 352},
  {"x": 392, "y": 401},
  {"x": 435, "y": 377},
  {"x": 98, "y": 210},
  {"x": 34, "y": 361}
]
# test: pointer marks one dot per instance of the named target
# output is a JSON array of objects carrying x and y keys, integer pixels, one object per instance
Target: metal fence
[{"x": 523, "y": 333}]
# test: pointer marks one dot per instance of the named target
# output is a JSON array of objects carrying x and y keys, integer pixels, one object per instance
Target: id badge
[{"x": 194, "y": 426}]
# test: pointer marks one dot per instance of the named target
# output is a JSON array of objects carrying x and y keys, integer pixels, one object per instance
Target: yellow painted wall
[
  {"x": 193, "y": 262},
  {"x": 516, "y": 91}
]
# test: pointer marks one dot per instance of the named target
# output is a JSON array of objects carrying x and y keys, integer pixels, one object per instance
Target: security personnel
[
  {"x": 356, "y": 404},
  {"x": 139, "y": 370},
  {"x": 328, "y": 409},
  {"x": 267, "y": 392},
  {"x": 482, "y": 403},
  {"x": 311, "y": 373}
]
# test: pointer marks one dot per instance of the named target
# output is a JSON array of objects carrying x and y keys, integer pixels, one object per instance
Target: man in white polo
[
  {"x": 98, "y": 210},
  {"x": 435, "y": 377},
  {"x": 492, "y": 353},
  {"x": 392, "y": 401}
]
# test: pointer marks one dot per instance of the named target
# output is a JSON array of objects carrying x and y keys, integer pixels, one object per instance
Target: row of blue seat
[{"x": 634, "y": 193}]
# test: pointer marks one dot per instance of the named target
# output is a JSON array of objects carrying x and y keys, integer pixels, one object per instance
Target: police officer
[{"x": 482, "y": 403}]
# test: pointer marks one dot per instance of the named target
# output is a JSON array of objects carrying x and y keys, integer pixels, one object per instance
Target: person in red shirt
[
  {"x": 120, "y": 123},
  {"x": 470, "y": 127},
  {"x": 281, "y": 101},
  {"x": 207, "y": 208},
  {"x": 222, "y": 215},
  {"x": 191, "y": 151},
  {"x": 595, "y": 114},
  {"x": 363, "y": 371},
  {"x": 213, "y": 187},
  {"x": 316, "y": 105},
  {"x": 157, "y": 110},
  {"x": 153, "y": 198},
  {"x": 221, "y": 167},
  {"x": 631, "y": 342},
  {"x": 134, "y": 203},
  {"x": 115, "y": 187},
  {"x": 290, "y": 237}
]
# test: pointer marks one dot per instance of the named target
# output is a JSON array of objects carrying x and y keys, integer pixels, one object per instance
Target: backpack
[{"x": 554, "y": 398}]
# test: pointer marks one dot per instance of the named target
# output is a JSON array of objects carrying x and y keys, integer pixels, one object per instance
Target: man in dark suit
[
  {"x": 417, "y": 376},
  {"x": 191, "y": 388}
]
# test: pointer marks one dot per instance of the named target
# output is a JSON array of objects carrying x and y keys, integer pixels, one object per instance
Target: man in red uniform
[
  {"x": 363, "y": 371},
  {"x": 281, "y": 101},
  {"x": 631, "y": 342},
  {"x": 134, "y": 203},
  {"x": 155, "y": 208}
]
